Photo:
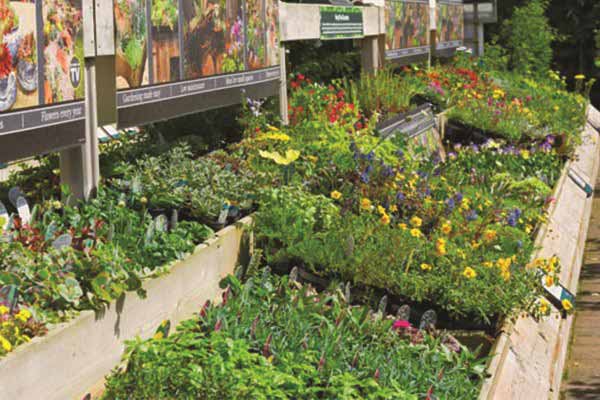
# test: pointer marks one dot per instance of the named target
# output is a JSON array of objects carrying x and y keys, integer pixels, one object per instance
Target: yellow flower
[
  {"x": 440, "y": 247},
  {"x": 525, "y": 154},
  {"x": 4, "y": 310},
  {"x": 504, "y": 263},
  {"x": 426, "y": 267},
  {"x": 416, "y": 222},
  {"x": 381, "y": 210},
  {"x": 549, "y": 280},
  {"x": 488, "y": 264},
  {"x": 475, "y": 245},
  {"x": 415, "y": 232},
  {"x": 336, "y": 195},
  {"x": 312, "y": 159},
  {"x": 393, "y": 208},
  {"x": 556, "y": 108},
  {"x": 290, "y": 156},
  {"x": 446, "y": 228},
  {"x": 403, "y": 226},
  {"x": 272, "y": 128},
  {"x": 158, "y": 336},
  {"x": 385, "y": 219},
  {"x": 282, "y": 137},
  {"x": 490, "y": 235},
  {"x": 465, "y": 204},
  {"x": 469, "y": 273},
  {"x": 544, "y": 306},
  {"x": 23, "y": 315},
  {"x": 567, "y": 305},
  {"x": 365, "y": 204},
  {"x": 5, "y": 344},
  {"x": 580, "y": 77}
]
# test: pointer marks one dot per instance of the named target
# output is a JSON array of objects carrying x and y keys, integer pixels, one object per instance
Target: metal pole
[
  {"x": 283, "y": 94},
  {"x": 476, "y": 27}
]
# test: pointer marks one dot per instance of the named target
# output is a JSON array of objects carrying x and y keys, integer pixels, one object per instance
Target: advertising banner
[
  {"x": 167, "y": 49},
  {"x": 407, "y": 28},
  {"x": 41, "y": 64},
  {"x": 450, "y": 24}
]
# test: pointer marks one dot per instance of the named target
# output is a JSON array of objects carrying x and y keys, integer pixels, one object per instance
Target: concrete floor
[{"x": 581, "y": 380}]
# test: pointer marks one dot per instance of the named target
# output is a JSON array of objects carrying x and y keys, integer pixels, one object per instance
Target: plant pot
[
  {"x": 8, "y": 92},
  {"x": 27, "y": 74}
]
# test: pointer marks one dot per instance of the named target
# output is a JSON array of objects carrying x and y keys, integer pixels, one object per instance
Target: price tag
[{"x": 24, "y": 211}]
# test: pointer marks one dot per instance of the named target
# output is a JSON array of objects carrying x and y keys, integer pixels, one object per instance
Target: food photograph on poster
[
  {"x": 272, "y": 32},
  {"x": 213, "y": 37},
  {"x": 131, "y": 43},
  {"x": 18, "y": 55},
  {"x": 63, "y": 51},
  {"x": 165, "y": 40},
  {"x": 409, "y": 24},
  {"x": 255, "y": 13}
]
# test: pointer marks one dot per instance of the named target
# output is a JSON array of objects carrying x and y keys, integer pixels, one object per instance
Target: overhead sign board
[
  {"x": 41, "y": 67},
  {"x": 450, "y": 24},
  {"x": 339, "y": 22},
  {"x": 407, "y": 28},
  {"x": 170, "y": 49}
]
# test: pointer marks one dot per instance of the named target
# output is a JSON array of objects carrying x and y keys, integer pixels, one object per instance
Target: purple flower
[
  {"x": 371, "y": 155},
  {"x": 364, "y": 177},
  {"x": 400, "y": 154},
  {"x": 472, "y": 215},
  {"x": 459, "y": 197},
  {"x": 400, "y": 196},
  {"x": 450, "y": 204}
]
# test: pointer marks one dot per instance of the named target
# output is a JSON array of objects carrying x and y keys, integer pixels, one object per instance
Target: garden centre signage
[
  {"x": 41, "y": 68},
  {"x": 450, "y": 24},
  {"x": 170, "y": 49},
  {"x": 417, "y": 127},
  {"x": 407, "y": 28},
  {"x": 341, "y": 23}
]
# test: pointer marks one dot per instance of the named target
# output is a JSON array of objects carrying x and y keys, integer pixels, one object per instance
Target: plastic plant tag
[
  {"x": 23, "y": 208},
  {"x": 9, "y": 295},
  {"x": 161, "y": 223},
  {"x": 559, "y": 296},
  {"x": 224, "y": 214},
  {"x": 63, "y": 240},
  {"x": 233, "y": 212},
  {"x": 50, "y": 231},
  {"x": 14, "y": 194},
  {"x": 579, "y": 181},
  {"x": 136, "y": 185},
  {"x": 150, "y": 232},
  {"x": 162, "y": 332},
  {"x": 174, "y": 219},
  {"x": 4, "y": 218}
]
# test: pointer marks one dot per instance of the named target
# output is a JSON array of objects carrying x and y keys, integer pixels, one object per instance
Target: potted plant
[{"x": 8, "y": 82}]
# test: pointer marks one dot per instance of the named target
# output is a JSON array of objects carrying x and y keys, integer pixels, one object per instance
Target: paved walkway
[{"x": 582, "y": 377}]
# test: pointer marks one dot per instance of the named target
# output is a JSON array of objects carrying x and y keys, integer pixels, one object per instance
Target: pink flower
[{"x": 401, "y": 324}]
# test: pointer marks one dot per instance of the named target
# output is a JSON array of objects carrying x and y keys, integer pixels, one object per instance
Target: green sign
[{"x": 341, "y": 23}]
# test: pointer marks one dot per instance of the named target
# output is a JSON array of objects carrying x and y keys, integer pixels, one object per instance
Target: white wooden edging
[
  {"x": 76, "y": 355},
  {"x": 529, "y": 356}
]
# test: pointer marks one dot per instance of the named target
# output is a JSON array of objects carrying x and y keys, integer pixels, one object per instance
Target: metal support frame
[{"x": 283, "y": 94}]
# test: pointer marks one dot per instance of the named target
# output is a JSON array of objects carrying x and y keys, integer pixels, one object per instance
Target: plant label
[
  {"x": 581, "y": 183},
  {"x": 62, "y": 241},
  {"x": 161, "y": 223},
  {"x": 174, "y": 219},
  {"x": 14, "y": 194},
  {"x": 50, "y": 230},
  {"x": 9, "y": 295},
  {"x": 23, "y": 209},
  {"x": 223, "y": 215},
  {"x": 557, "y": 294},
  {"x": 4, "y": 218}
]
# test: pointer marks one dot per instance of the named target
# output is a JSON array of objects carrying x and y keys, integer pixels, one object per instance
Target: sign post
[{"x": 341, "y": 23}]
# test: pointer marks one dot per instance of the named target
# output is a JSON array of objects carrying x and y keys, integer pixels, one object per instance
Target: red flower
[
  {"x": 295, "y": 85},
  {"x": 401, "y": 324},
  {"x": 300, "y": 77}
]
